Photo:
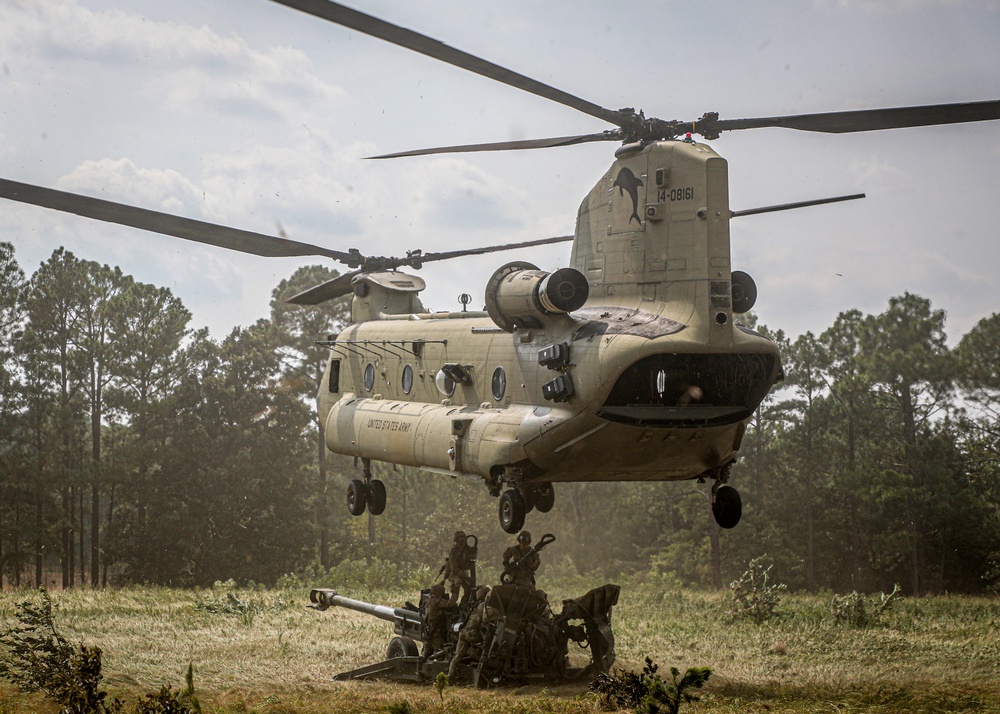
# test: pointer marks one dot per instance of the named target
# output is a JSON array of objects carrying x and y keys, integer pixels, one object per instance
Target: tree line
[{"x": 134, "y": 449}]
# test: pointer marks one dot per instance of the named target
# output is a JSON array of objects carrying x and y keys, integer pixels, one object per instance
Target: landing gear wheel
[
  {"x": 528, "y": 496},
  {"x": 744, "y": 292},
  {"x": 728, "y": 507},
  {"x": 511, "y": 511},
  {"x": 545, "y": 497},
  {"x": 401, "y": 646},
  {"x": 357, "y": 497},
  {"x": 376, "y": 498}
]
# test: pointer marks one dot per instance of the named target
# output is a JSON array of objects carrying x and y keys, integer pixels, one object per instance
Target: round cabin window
[
  {"x": 407, "y": 379},
  {"x": 369, "y": 376},
  {"x": 499, "y": 383}
]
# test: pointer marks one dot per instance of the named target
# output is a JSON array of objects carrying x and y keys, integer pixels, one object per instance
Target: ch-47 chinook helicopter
[{"x": 626, "y": 365}]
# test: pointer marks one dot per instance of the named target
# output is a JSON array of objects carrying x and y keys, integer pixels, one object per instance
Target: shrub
[
  {"x": 35, "y": 657},
  {"x": 854, "y": 608},
  {"x": 648, "y": 692},
  {"x": 752, "y": 596}
]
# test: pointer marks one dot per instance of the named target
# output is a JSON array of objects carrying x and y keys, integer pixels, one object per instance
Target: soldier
[
  {"x": 439, "y": 611},
  {"x": 474, "y": 630},
  {"x": 458, "y": 566},
  {"x": 520, "y": 562}
]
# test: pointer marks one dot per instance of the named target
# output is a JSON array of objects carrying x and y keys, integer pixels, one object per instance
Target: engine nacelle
[{"x": 519, "y": 295}]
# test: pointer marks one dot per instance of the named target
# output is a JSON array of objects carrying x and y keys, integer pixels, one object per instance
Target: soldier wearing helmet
[
  {"x": 458, "y": 566},
  {"x": 475, "y": 631},
  {"x": 520, "y": 561},
  {"x": 439, "y": 612}
]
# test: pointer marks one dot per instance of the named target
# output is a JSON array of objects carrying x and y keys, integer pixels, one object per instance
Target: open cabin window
[{"x": 334, "y": 384}]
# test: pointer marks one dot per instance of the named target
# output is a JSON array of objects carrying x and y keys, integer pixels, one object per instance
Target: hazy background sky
[{"x": 247, "y": 113}]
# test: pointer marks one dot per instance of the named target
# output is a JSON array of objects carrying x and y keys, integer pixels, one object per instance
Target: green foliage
[
  {"x": 668, "y": 696},
  {"x": 244, "y": 608},
  {"x": 753, "y": 597},
  {"x": 441, "y": 683},
  {"x": 35, "y": 657},
  {"x": 648, "y": 692},
  {"x": 402, "y": 707},
  {"x": 854, "y": 608},
  {"x": 167, "y": 701},
  {"x": 373, "y": 575}
]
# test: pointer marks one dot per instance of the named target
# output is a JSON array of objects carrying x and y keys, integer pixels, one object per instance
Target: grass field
[{"x": 937, "y": 654}]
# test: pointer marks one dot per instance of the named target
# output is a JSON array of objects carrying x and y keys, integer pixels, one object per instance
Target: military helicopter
[{"x": 627, "y": 364}]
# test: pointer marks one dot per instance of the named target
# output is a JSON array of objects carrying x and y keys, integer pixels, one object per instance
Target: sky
[{"x": 253, "y": 115}]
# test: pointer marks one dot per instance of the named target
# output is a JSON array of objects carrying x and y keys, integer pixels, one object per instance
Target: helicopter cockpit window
[
  {"x": 369, "y": 376},
  {"x": 499, "y": 383},
  {"x": 444, "y": 383},
  {"x": 334, "y": 385},
  {"x": 407, "y": 379}
]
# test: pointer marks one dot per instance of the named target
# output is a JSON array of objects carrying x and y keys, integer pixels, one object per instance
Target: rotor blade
[
  {"x": 147, "y": 220},
  {"x": 432, "y": 257},
  {"x": 508, "y": 145},
  {"x": 798, "y": 204},
  {"x": 334, "y": 288},
  {"x": 872, "y": 119},
  {"x": 347, "y": 17}
]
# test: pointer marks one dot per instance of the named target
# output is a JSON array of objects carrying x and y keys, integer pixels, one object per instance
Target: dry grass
[{"x": 931, "y": 654}]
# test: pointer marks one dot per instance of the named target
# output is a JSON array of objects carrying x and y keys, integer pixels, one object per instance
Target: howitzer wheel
[
  {"x": 376, "y": 498},
  {"x": 511, "y": 511},
  {"x": 401, "y": 646},
  {"x": 357, "y": 497}
]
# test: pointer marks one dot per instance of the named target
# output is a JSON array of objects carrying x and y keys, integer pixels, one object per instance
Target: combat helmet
[{"x": 524, "y": 537}]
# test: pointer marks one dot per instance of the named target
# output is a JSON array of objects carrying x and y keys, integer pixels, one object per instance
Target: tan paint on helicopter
[{"x": 657, "y": 285}]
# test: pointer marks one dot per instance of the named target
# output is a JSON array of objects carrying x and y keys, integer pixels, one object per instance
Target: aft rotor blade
[
  {"x": 156, "y": 222},
  {"x": 448, "y": 255},
  {"x": 508, "y": 145},
  {"x": 797, "y": 204},
  {"x": 871, "y": 119},
  {"x": 334, "y": 288},
  {"x": 348, "y": 17}
]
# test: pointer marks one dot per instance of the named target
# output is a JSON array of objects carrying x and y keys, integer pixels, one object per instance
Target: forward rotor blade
[
  {"x": 334, "y": 288},
  {"x": 871, "y": 119},
  {"x": 508, "y": 145},
  {"x": 448, "y": 255},
  {"x": 347, "y": 17},
  {"x": 156, "y": 222}
]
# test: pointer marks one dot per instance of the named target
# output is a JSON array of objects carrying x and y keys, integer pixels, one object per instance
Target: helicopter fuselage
[{"x": 648, "y": 377}]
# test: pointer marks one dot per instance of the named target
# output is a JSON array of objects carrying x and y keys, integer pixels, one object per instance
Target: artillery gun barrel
[{"x": 324, "y": 598}]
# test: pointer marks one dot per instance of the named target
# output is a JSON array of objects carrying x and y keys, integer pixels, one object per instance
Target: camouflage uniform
[
  {"x": 527, "y": 564},
  {"x": 457, "y": 569},
  {"x": 474, "y": 630},
  {"x": 439, "y": 612}
]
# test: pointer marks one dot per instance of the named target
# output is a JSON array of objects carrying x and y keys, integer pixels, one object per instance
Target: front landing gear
[{"x": 368, "y": 494}]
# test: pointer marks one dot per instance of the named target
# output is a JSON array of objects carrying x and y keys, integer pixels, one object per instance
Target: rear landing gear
[
  {"x": 727, "y": 506},
  {"x": 368, "y": 494},
  {"x": 512, "y": 511},
  {"x": 515, "y": 503}
]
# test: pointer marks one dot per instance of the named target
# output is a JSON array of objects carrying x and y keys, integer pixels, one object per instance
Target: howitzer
[
  {"x": 522, "y": 641},
  {"x": 409, "y": 624}
]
